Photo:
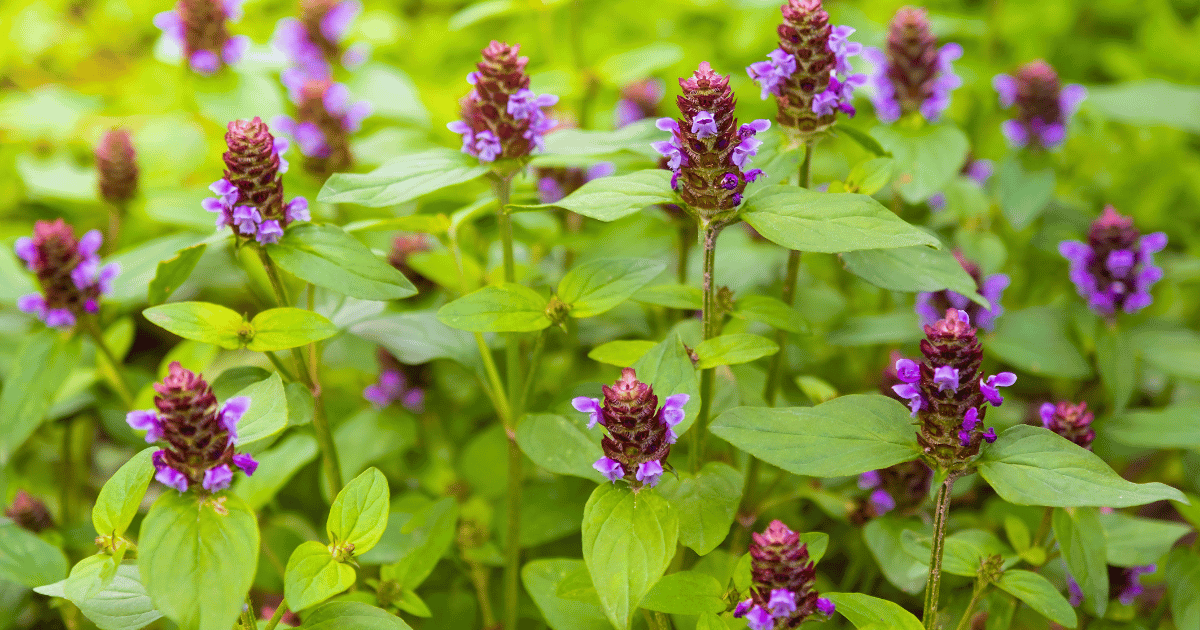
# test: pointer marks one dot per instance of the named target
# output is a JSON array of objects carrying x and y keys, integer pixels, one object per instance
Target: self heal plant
[
  {"x": 316, "y": 41},
  {"x": 809, "y": 73},
  {"x": 68, "y": 270},
  {"x": 1114, "y": 270},
  {"x": 326, "y": 115},
  {"x": 930, "y": 306},
  {"x": 116, "y": 167},
  {"x": 250, "y": 197},
  {"x": 1044, "y": 105},
  {"x": 638, "y": 100},
  {"x": 912, "y": 74},
  {"x": 640, "y": 433},
  {"x": 782, "y": 591},
  {"x": 200, "y": 434},
  {"x": 1072, "y": 421},
  {"x": 901, "y": 488},
  {"x": 198, "y": 27}
]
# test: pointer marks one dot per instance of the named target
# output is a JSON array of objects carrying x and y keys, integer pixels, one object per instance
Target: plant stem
[
  {"x": 710, "y": 231},
  {"x": 981, "y": 588},
  {"x": 119, "y": 382},
  {"x": 535, "y": 360},
  {"x": 479, "y": 578},
  {"x": 1044, "y": 526},
  {"x": 249, "y": 619},
  {"x": 279, "y": 611},
  {"x": 283, "y": 369},
  {"x": 940, "y": 514},
  {"x": 70, "y": 490}
]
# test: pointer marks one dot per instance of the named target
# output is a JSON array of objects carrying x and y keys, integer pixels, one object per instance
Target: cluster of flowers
[
  {"x": 640, "y": 433},
  {"x": 116, "y": 167},
  {"x": 782, "y": 593},
  {"x": 902, "y": 487},
  {"x": 912, "y": 74},
  {"x": 198, "y": 28},
  {"x": 394, "y": 386},
  {"x": 1115, "y": 268},
  {"x": 250, "y": 196},
  {"x": 1044, "y": 105},
  {"x": 325, "y": 118},
  {"x": 931, "y": 305},
  {"x": 502, "y": 117},
  {"x": 200, "y": 435},
  {"x": 315, "y": 42},
  {"x": 639, "y": 100},
  {"x": 1073, "y": 422},
  {"x": 68, "y": 271}
]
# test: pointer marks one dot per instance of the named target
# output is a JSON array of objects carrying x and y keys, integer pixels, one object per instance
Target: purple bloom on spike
[
  {"x": 68, "y": 272},
  {"x": 116, "y": 167},
  {"x": 1073, "y": 422},
  {"x": 825, "y": 606},
  {"x": 782, "y": 603},
  {"x": 1114, "y": 270},
  {"x": 217, "y": 478},
  {"x": 250, "y": 196},
  {"x": 759, "y": 619},
  {"x": 782, "y": 577},
  {"x": 882, "y": 502},
  {"x": 1075, "y": 591},
  {"x": 501, "y": 117},
  {"x": 991, "y": 288},
  {"x": 868, "y": 480},
  {"x": 1044, "y": 105},
  {"x": 990, "y": 388},
  {"x": 326, "y": 116},
  {"x": 172, "y": 478},
  {"x": 610, "y": 468},
  {"x": 145, "y": 421},
  {"x": 1126, "y": 582},
  {"x": 638, "y": 433},
  {"x": 316, "y": 42},
  {"x": 199, "y": 29},
  {"x": 946, "y": 377},
  {"x": 901, "y": 487},
  {"x": 912, "y": 75},
  {"x": 590, "y": 406},
  {"x": 246, "y": 463},
  {"x": 649, "y": 472},
  {"x": 742, "y": 608}
]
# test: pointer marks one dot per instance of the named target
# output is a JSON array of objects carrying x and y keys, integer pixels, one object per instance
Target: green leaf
[
  {"x": 542, "y": 579},
  {"x": 40, "y": 367},
  {"x": 211, "y": 546},
  {"x": 351, "y": 616},
  {"x": 118, "y": 501},
  {"x": 418, "y": 337},
  {"x": 1023, "y": 194},
  {"x": 845, "y": 436},
  {"x": 1135, "y": 541},
  {"x": 1174, "y": 352},
  {"x": 1183, "y": 578},
  {"x": 1115, "y": 361},
  {"x": 267, "y": 414},
  {"x": 1032, "y": 466},
  {"x": 412, "y": 604},
  {"x": 681, "y": 296},
  {"x": 864, "y": 610},
  {"x": 284, "y": 328},
  {"x": 328, "y": 257},
  {"x": 685, "y": 593},
  {"x": 402, "y": 179},
  {"x": 669, "y": 370},
  {"x": 861, "y": 138},
  {"x": 964, "y": 550},
  {"x": 1081, "y": 539},
  {"x": 275, "y": 467},
  {"x": 27, "y": 559},
  {"x": 884, "y": 537},
  {"x": 506, "y": 307},
  {"x": 1146, "y": 103},
  {"x": 90, "y": 576},
  {"x": 634, "y": 65},
  {"x": 926, "y": 158},
  {"x": 313, "y": 576},
  {"x": 599, "y": 285},
  {"x": 869, "y": 177},
  {"x": 1040, "y": 595},
  {"x": 621, "y": 353},
  {"x": 425, "y": 539},
  {"x": 866, "y": 330},
  {"x": 568, "y": 147},
  {"x": 1035, "y": 340},
  {"x": 828, "y": 223},
  {"x": 771, "y": 311},
  {"x": 1174, "y": 426},
  {"x": 733, "y": 349},
  {"x": 201, "y": 321},
  {"x": 616, "y": 196},
  {"x": 122, "y": 605},
  {"x": 913, "y": 269},
  {"x": 706, "y": 504},
  {"x": 560, "y": 445},
  {"x": 359, "y": 514},
  {"x": 173, "y": 272},
  {"x": 628, "y": 541}
]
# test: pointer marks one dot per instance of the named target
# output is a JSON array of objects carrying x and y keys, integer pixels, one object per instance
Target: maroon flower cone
[
  {"x": 116, "y": 166},
  {"x": 1073, "y": 422},
  {"x": 952, "y": 343},
  {"x": 311, "y": 109},
  {"x": 190, "y": 424},
  {"x": 252, "y": 165},
  {"x": 782, "y": 593},
  {"x": 29, "y": 513},
  {"x": 312, "y": 14},
  {"x": 804, "y": 34},
  {"x": 708, "y": 161},
  {"x": 635, "y": 435}
]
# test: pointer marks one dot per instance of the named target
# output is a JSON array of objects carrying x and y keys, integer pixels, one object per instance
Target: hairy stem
[
  {"x": 940, "y": 515},
  {"x": 249, "y": 619},
  {"x": 710, "y": 324},
  {"x": 981, "y": 588},
  {"x": 279, "y": 611}
]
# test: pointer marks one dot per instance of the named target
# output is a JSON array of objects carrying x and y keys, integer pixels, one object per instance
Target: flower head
[
  {"x": 393, "y": 387},
  {"x": 783, "y": 580},
  {"x": 198, "y": 27},
  {"x": 1114, "y": 270},
  {"x": 639, "y": 100},
  {"x": 116, "y": 167},
  {"x": 250, "y": 196},
  {"x": 1044, "y": 105},
  {"x": 931, "y": 305},
  {"x": 316, "y": 42},
  {"x": 1125, "y": 583},
  {"x": 68, "y": 271},
  {"x": 325, "y": 118},
  {"x": 902, "y": 487},
  {"x": 200, "y": 434},
  {"x": 29, "y": 513},
  {"x": 912, "y": 74},
  {"x": 1073, "y": 422}
]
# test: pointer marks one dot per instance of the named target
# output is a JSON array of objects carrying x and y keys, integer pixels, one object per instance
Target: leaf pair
[{"x": 272, "y": 329}]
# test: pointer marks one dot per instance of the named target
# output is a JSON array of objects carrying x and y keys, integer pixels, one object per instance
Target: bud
[
  {"x": 639, "y": 435},
  {"x": 200, "y": 434},
  {"x": 782, "y": 593},
  {"x": 901, "y": 488},
  {"x": 68, "y": 273},
  {"x": 198, "y": 28},
  {"x": 314, "y": 43},
  {"x": 1115, "y": 268},
  {"x": 929, "y": 305},
  {"x": 639, "y": 100},
  {"x": 810, "y": 73},
  {"x": 1073, "y": 422},
  {"x": 502, "y": 117},
  {"x": 948, "y": 391},
  {"x": 29, "y": 513},
  {"x": 324, "y": 120},
  {"x": 912, "y": 74},
  {"x": 250, "y": 196},
  {"x": 1044, "y": 106},
  {"x": 116, "y": 166},
  {"x": 708, "y": 152}
]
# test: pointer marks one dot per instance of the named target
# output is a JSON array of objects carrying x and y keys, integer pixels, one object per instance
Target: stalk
[
  {"x": 119, "y": 381},
  {"x": 980, "y": 589},
  {"x": 279, "y": 610},
  {"x": 941, "y": 513},
  {"x": 710, "y": 324}
]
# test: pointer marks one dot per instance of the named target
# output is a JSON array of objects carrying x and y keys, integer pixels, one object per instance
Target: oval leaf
[
  {"x": 201, "y": 321},
  {"x": 313, "y": 576},
  {"x": 173, "y": 272},
  {"x": 283, "y": 328},
  {"x": 122, "y": 605},
  {"x": 1170, "y": 427},
  {"x": 328, "y": 257},
  {"x": 610, "y": 198},
  {"x": 913, "y": 269},
  {"x": 118, "y": 501},
  {"x": 597, "y": 286},
  {"x": 1083, "y": 546},
  {"x": 864, "y": 610},
  {"x": 560, "y": 445},
  {"x": 27, "y": 559},
  {"x": 359, "y": 514},
  {"x": 773, "y": 312},
  {"x": 352, "y": 616},
  {"x": 1040, "y": 595},
  {"x": 926, "y": 159},
  {"x": 686, "y": 593},
  {"x": 621, "y": 353},
  {"x": 402, "y": 179},
  {"x": 40, "y": 367},
  {"x": 733, "y": 350},
  {"x": 504, "y": 307},
  {"x": 267, "y": 414},
  {"x": 706, "y": 504}
]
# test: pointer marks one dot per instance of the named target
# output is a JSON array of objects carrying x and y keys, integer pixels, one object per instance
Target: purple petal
[
  {"x": 27, "y": 251},
  {"x": 269, "y": 232},
  {"x": 1070, "y": 98},
  {"x": 173, "y": 478},
  {"x": 759, "y": 619},
  {"x": 610, "y": 468},
  {"x": 297, "y": 210},
  {"x": 882, "y": 502},
  {"x": 970, "y": 419},
  {"x": 1015, "y": 132},
  {"x": 989, "y": 436},
  {"x": 590, "y": 406},
  {"x": 337, "y": 21},
  {"x": 246, "y": 463},
  {"x": 1006, "y": 88},
  {"x": 90, "y": 243},
  {"x": 667, "y": 124},
  {"x": 59, "y": 318},
  {"x": 946, "y": 377},
  {"x": 168, "y": 22},
  {"x": 233, "y": 411},
  {"x": 1047, "y": 413},
  {"x": 204, "y": 62},
  {"x": 742, "y": 608},
  {"x": 649, "y": 472},
  {"x": 217, "y": 478},
  {"x": 336, "y": 99},
  {"x": 826, "y": 606},
  {"x": 33, "y": 303},
  {"x": 355, "y": 56},
  {"x": 868, "y": 480},
  {"x": 908, "y": 371},
  {"x": 782, "y": 603},
  {"x": 1153, "y": 243},
  {"x": 145, "y": 421}
]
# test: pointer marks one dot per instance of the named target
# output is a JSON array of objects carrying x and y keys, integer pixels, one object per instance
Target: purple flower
[
  {"x": 590, "y": 406},
  {"x": 246, "y": 463},
  {"x": 946, "y": 377},
  {"x": 759, "y": 619},
  {"x": 199, "y": 29},
  {"x": 232, "y": 413},
  {"x": 671, "y": 412},
  {"x": 770, "y": 75},
  {"x": 748, "y": 147},
  {"x": 703, "y": 125},
  {"x": 1044, "y": 106},
  {"x": 912, "y": 74},
  {"x": 1115, "y": 269},
  {"x": 868, "y": 480},
  {"x": 742, "y": 608},
  {"x": 610, "y": 468},
  {"x": 68, "y": 271},
  {"x": 826, "y": 606},
  {"x": 1075, "y": 591},
  {"x": 217, "y": 478},
  {"x": 145, "y": 421},
  {"x": 912, "y": 393},
  {"x": 649, "y": 472},
  {"x": 882, "y": 502},
  {"x": 838, "y": 96},
  {"x": 501, "y": 101},
  {"x": 908, "y": 370},
  {"x": 989, "y": 436},
  {"x": 393, "y": 387},
  {"x": 782, "y": 603},
  {"x": 990, "y": 387},
  {"x": 269, "y": 232},
  {"x": 1133, "y": 586},
  {"x": 172, "y": 478}
]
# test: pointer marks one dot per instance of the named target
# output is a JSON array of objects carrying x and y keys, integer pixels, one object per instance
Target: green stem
[
  {"x": 119, "y": 381},
  {"x": 249, "y": 619},
  {"x": 535, "y": 360},
  {"x": 283, "y": 369},
  {"x": 279, "y": 611},
  {"x": 980, "y": 589},
  {"x": 479, "y": 578},
  {"x": 940, "y": 515},
  {"x": 709, "y": 329},
  {"x": 70, "y": 491}
]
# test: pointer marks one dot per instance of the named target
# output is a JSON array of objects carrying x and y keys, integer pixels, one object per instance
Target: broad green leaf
[
  {"x": 275, "y": 467},
  {"x": 283, "y": 328},
  {"x": 964, "y": 550},
  {"x": 577, "y": 586},
  {"x": 1148, "y": 102},
  {"x": 1040, "y": 595},
  {"x": 27, "y": 559},
  {"x": 685, "y": 593},
  {"x": 390, "y": 92},
  {"x": 681, "y": 296},
  {"x": 560, "y": 445},
  {"x": 402, "y": 179},
  {"x": 550, "y": 510},
  {"x": 828, "y": 223},
  {"x": 566, "y": 147},
  {"x": 412, "y": 604},
  {"x": 210, "y": 545},
  {"x": 865, "y": 330},
  {"x": 328, "y": 257},
  {"x": 1023, "y": 194},
  {"x": 1175, "y": 426},
  {"x": 771, "y": 311},
  {"x": 504, "y": 307},
  {"x": 425, "y": 539},
  {"x": 418, "y": 337},
  {"x": 1183, "y": 579},
  {"x": 628, "y": 541},
  {"x": 1035, "y": 340},
  {"x": 435, "y": 224},
  {"x": 542, "y": 579},
  {"x": 926, "y": 159},
  {"x": 706, "y": 504},
  {"x": 818, "y": 543},
  {"x": 122, "y": 605},
  {"x": 1081, "y": 539},
  {"x": 90, "y": 576},
  {"x": 669, "y": 370},
  {"x": 616, "y": 196},
  {"x": 40, "y": 366},
  {"x": 1134, "y": 541},
  {"x": 733, "y": 349},
  {"x": 359, "y": 514},
  {"x": 913, "y": 269},
  {"x": 870, "y": 177},
  {"x": 313, "y": 576},
  {"x": 173, "y": 272},
  {"x": 1174, "y": 352},
  {"x": 351, "y": 616},
  {"x": 599, "y": 285},
  {"x": 861, "y": 138},
  {"x": 634, "y": 65},
  {"x": 268, "y": 411},
  {"x": 1032, "y": 466},
  {"x": 1116, "y": 363},
  {"x": 202, "y": 321},
  {"x": 119, "y": 498},
  {"x": 864, "y": 610},
  {"x": 622, "y": 353},
  {"x": 845, "y": 436}
]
